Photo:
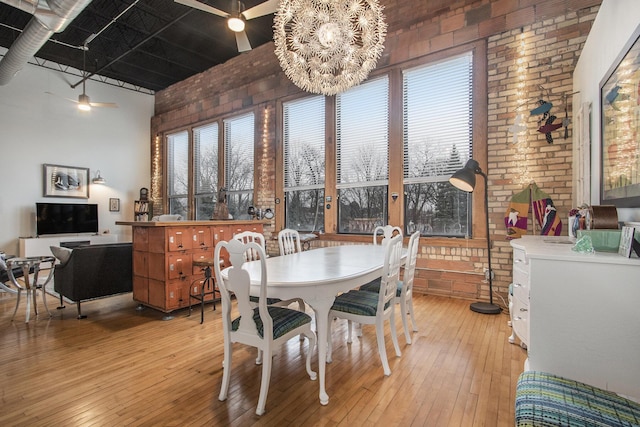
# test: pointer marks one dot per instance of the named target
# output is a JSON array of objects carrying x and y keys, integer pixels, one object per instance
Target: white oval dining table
[{"x": 317, "y": 276}]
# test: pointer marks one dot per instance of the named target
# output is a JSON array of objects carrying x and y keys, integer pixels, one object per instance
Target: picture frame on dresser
[
  {"x": 619, "y": 148},
  {"x": 65, "y": 181},
  {"x": 626, "y": 241}
]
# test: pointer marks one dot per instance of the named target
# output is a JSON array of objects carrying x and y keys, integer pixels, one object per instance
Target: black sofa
[{"x": 95, "y": 271}]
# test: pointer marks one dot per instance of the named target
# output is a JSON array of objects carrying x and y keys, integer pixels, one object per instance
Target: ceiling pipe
[{"x": 52, "y": 17}]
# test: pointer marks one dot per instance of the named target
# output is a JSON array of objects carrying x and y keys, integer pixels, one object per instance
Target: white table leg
[{"x": 321, "y": 307}]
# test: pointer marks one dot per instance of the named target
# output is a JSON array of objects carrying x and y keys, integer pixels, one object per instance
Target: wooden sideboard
[
  {"x": 578, "y": 313},
  {"x": 163, "y": 254}
]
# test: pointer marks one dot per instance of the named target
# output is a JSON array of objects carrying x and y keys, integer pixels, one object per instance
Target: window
[
  {"x": 239, "y": 163},
  {"x": 304, "y": 163},
  {"x": 362, "y": 136},
  {"x": 437, "y": 134},
  {"x": 205, "y": 140},
  {"x": 178, "y": 173}
]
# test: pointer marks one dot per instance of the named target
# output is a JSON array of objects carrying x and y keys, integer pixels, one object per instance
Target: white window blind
[
  {"x": 206, "y": 158},
  {"x": 304, "y": 142},
  {"x": 239, "y": 148},
  {"x": 437, "y": 119},
  {"x": 362, "y": 134},
  {"x": 178, "y": 163}
]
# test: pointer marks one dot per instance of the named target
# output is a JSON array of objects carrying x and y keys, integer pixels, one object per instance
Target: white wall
[
  {"x": 613, "y": 27},
  {"x": 37, "y": 128}
]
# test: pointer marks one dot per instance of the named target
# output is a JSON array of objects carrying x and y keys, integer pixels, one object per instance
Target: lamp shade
[
  {"x": 465, "y": 178},
  {"x": 98, "y": 179}
]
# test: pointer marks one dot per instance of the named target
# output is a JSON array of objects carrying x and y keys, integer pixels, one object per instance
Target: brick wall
[{"x": 553, "y": 32}]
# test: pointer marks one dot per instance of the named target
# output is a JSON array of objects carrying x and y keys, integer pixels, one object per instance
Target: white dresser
[{"x": 578, "y": 314}]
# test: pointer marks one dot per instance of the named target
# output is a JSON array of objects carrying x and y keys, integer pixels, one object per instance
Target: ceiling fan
[
  {"x": 235, "y": 19},
  {"x": 84, "y": 102}
]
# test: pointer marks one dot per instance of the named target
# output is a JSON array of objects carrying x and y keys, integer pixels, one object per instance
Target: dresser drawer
[
  {"x": 520, "y": 258},
  {"x": 520, "y": 319},
  {"x": 521, "y": 284}
]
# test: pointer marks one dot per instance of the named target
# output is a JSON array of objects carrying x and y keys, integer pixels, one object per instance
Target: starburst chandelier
[{"x": 328, "y": 46}]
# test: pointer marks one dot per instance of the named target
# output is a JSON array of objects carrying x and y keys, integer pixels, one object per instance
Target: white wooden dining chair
[
  {"x": 369, "y": 308},
  {"x": 251, "y": 236},
  {"x": 404, "y": 291},
  {"x": 251, "y": 255},
  {"x": 289, "y": 241},
  {"x": 265, "y": 327},
  {"x": 387, "y": 231}
]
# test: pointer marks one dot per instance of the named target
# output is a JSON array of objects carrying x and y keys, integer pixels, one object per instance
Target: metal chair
[
  {"x": 30, "y": 285},
  {"x": 207, "y": 286}
]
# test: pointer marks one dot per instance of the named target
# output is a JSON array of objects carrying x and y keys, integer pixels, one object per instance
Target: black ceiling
[{"x": 152, "y": 45}]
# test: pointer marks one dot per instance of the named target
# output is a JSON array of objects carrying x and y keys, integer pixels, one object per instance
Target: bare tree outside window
[
  {"x": 206, "y": 173},
  {"x": 304, "y": 163},
  {"x": 178, "y": 173},
  {"x": 438, "y": 124},
  {"x": 362, "y": 156},
  {"x": 239, "y": 155}
]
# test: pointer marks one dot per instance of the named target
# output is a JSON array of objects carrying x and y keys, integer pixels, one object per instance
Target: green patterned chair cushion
[
  {"x": 270, "y": 301},
  {"x": 362, "y": 303},
  {"x": 374, "y": 286},
  {"x": 544, "y": 399},
  {"x": 284, "y": 320}
]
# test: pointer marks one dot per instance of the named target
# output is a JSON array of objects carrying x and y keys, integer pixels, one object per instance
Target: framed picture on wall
[
  {"x": 66, "y": 181},
  {"x": 620, "y": 125},
  {"x": 114, "y": 205}
]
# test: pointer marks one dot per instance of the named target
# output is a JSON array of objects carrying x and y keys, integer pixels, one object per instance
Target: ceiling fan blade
[
  {"x": 62, "y": 97},
  {"x": 104, "y": 104},
  {"x": 203, "y": 7},
  {"x": 243, "y": 42},
  {"x": 266, "y": 8}
]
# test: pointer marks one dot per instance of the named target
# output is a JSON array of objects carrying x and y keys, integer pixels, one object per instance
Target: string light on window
[
  {"x": 156, "y": 177},
  {"x": 519, "y": 127}
]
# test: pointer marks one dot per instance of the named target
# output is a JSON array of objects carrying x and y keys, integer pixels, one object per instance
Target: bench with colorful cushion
[{"x": 544, "y": 399}]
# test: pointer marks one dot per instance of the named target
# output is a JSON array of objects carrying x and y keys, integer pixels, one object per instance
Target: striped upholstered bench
[{"x": 547, "y": 400}]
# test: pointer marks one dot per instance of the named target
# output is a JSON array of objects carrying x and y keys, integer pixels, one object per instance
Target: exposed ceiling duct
[{"x": 49, "y": 17}]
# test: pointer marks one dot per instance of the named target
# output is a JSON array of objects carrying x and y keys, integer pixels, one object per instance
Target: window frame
[
  {"x": 463, "y": 63},
  {"x": 221, "y": 179},
  {"x": 264, "y": 191},
  {"x": 308, "y": 187},
  {"x": 366, "y": 185}
]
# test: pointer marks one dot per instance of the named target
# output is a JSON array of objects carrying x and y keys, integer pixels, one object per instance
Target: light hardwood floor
[{"x": 125, "y": 367}]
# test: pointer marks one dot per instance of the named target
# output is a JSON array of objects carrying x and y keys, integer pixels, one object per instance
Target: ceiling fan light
[
  {"x": 235, "y": 24},
  {"x": 83, "y": 103}
]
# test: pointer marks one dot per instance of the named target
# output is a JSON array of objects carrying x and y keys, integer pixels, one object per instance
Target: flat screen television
[{"x": 63, "y": 218}]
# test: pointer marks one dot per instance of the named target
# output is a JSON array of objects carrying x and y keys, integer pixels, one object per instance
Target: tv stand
[{"x": 39, "y": 246}]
